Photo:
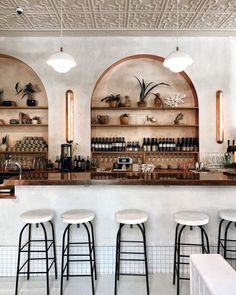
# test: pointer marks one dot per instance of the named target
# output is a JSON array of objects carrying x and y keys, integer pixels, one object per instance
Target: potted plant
[
  {"x": 158, "y": 103},
  {"x": 113, "y": 100},
  {"x": 35, "y": 120},
  {"x": 27, "y": 91},
  {"x": 4, "y": 143},
  {"x": 145, "y": 90},
  {"x": 124, "y": 119}
]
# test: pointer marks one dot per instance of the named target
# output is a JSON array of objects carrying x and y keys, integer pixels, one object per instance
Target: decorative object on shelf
[
  {"x": 60, "y": 61},
  {"x": 1, "y": 93},
  {"x": 151, "y": 119},
  {"x": 2, "y": 122},
  {"x": 69, "y": 116},
  {"x": 145, "y": 90},
  {"x": 124, "y": 119},
  {"x": 8, "y": 103},
  {"x": 27, "y": 91},
  {"x": 178, "y": 118},
  {"x": 113, "y": 100},
  {"x": 24, "y": 118},
  {"x": 178, "y": 60},
  {"x": 173, "y": 100},
  {"x": 35, "y": 120},
  {"x": 30, "y": 144},
  {"x": 127, "y": 103},
  {"x": 13, "y": 121},
  {"x": 4, "y": 143},
  {"x": 219, "y": 117},
  {"x": 158, "y": 103},
  {"x": 103, "y": 119}
]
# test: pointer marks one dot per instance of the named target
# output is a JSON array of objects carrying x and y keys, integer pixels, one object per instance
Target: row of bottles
[
  {"x": 80, "y": 164},
  {"x": 118, "y": 144},
  {"x": 185, "y": 144}
]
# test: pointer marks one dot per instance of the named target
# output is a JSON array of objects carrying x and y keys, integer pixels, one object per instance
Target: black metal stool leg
[
  {"x": 116, "y": 262},
  {"x": 178, "y": 257},
  {"x": 68, "y": 254},
  {"x": 90, "y": 257},
  {"x": 62, "y": 257},
  {"x": 94, "y": 256},
  {"x": 18, "y": 259},
  {"x": 46, "y": 257},
  {"x": 225, "y": 238},
  {"x": 54, "y": 248},
  {"x": 219, "y": 236},
  {"x": 142, "y": 228},
  {"x": 28, "y": 263},
  {"x": 119, "y": 250},
  {"x": 204, "y": 234},
  {"x": 175, "y": 249}
]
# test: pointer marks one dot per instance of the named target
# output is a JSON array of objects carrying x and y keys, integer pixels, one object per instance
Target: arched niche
[
  {"x": 119, "y": 78},
  {"x": 13, "y": 70}
]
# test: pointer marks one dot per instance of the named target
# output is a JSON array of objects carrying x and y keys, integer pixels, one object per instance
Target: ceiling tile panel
[
  {"x": 76, "y": 6},
  {"x": 230, "y": 23},
  {"x": 109, "y": 5},
  {"x": 146, "y": 5},
  {"x": 110, "y": 20},
  {"x": 142, "y": 20},
  {"x": 34, "y": 6},
  {"x": 219, "y": 6},
  {"x": 204, "y": 21},
  {"x": 78, "y": 21},
  {"x": 169, "y": 21},
  {"x": 44, "y": 21},
  {"x": 184, "y": 6}
]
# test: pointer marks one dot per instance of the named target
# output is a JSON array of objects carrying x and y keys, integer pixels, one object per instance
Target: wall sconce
[
  {"x": 219, "y": 117},
  {"x": 69, "y": 116}
]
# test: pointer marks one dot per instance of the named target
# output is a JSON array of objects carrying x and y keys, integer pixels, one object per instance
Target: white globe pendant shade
[
  {"x": 177, "y": 61},
  {"x": 61, "y": 62}
]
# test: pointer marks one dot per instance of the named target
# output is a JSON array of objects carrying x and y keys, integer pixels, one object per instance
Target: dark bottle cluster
[
  {"x": 185, "y": 144},
  {"x": 80, "y": 164},
  {"x": 108, "y": 144}
]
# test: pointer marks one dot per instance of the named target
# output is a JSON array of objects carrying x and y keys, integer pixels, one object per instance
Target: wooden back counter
[{"x": 122, "y": 178}]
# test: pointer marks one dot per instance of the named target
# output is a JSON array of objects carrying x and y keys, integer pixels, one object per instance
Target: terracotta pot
[
  {"x": 103, "y": 119},
  {"x": 157, "y": 103},
  {"x": 141, "y": 104},
  {"x": 113, "y": 103},
  {"x": 124, "y": 120}
]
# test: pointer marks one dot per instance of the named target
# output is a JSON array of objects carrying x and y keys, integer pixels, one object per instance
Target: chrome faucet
[{"x": 9, "y": 162}]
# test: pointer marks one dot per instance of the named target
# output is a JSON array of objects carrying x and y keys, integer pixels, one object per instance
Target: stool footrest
[
  {"x": 132, "y": 274},
  {"x": 140, "y": 253},
  {"x": 131, "y": 259}
]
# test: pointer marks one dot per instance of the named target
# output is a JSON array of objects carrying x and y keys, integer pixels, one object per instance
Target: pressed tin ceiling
[{"x": 118, "y": 17}]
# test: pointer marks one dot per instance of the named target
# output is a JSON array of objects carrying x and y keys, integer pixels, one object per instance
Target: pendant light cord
[
  {"x": 61, "y": 49},
  {"x": 177, "y": 24}
]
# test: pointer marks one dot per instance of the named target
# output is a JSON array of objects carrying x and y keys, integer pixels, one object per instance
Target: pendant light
[
  {"x": 177, "y": 61},
  {"x": 60, "y": 61}
]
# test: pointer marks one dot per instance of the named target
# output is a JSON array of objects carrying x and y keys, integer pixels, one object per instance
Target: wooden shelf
[
  {"x": 24, "y": 125},
  {"x": 23, "y": 153},
  {"x": 145, "y": 108},
  {"x": 142, "y": 152},
  {"x": 23, "y": 108},
  {"x": 143, "y": 125}
]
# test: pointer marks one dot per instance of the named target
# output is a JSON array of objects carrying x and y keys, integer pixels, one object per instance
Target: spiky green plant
[{"x": 146, "y": 88}]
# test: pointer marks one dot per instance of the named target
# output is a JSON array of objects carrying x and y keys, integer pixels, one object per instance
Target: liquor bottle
[
  {"x": 153, "y": 146},
  {"x": 160, "y": 145},
  {"x": 79, "y": 164},
  {"x": 173, "y": 145},
  {"x": 123, "y": 144},
  {"x": 92, "y": 144},
  {"x": 83, "y": 165},
  {"x": 107, "y": 144},
  {"x": 164, "y": 145},
  {"x": 178, "y": 145},
  {"x": 148, "y": 145},
  {"x": 156, "y": 145},
  {"x": 144, "y": 145},
  {"x": 75, "y": 163},
  {"x": 87, "y": 165}
]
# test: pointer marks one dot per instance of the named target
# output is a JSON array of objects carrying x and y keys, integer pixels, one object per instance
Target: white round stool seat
[
  {"x": 228, "y": 214},
  {"x": 37, "y": 216},
  {"x": 131, "y": 216},
  {"x": 77, "y": 216},
  {"x": 192, "y": 218}
]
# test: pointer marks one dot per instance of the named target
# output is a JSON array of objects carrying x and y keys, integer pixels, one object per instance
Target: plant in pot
[
  {"x": 113, "y": 100},
  {"x": 4, "y": 143},
  {"x": 145, "y": 90},
  {"x": 178, "y": 118},
  {"x": 27, "y": 91},
  {"x": 35, "y": 120},
  {"x": 124, "y": 119}
]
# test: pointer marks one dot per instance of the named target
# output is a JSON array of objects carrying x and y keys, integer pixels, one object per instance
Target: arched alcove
[
  {"x": 13, "y": 70},
  {"x": 119, "y": 78}
]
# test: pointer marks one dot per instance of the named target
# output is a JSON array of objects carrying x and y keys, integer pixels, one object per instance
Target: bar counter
[{"x": 120, "y": 178}]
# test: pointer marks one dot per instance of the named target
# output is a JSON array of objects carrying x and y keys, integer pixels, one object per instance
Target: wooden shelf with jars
[{"x": 176, "y": 122}]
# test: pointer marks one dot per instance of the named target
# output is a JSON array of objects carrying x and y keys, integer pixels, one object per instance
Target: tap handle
[{"x": 8, "y": 157}]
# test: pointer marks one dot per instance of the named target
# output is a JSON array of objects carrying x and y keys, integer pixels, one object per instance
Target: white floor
[{"x": 160, "y": 284}]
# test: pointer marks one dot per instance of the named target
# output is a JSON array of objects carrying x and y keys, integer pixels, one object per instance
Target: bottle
[
  {"x": 144, "y": 145},
  {"x": 75, "y": 163},
  {"x": 148, "y": 145},
  {"x": 79, "y": 164},
  {"x": 92, "y": 144},
  {"x": 123, "y": 144},
  {"x": 153, "y": 146},
  {"x": 57, "y": 162},
  {"x": 87, "y": 165},
  {"x": 83, "y": 165},
  {"x": 164, "y": 146},
  {"x": 160, "y": 145},
  {"x": 178, "y": 145}
]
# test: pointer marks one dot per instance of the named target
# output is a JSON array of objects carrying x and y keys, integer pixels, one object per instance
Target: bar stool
[
  {"x": 227, "y": 217},
  {"x": 78, "y": 217},
  {"x": 190, "y": 219},
  {"x": 38, "y": 217},
  {"x": 130, "y": 217}
]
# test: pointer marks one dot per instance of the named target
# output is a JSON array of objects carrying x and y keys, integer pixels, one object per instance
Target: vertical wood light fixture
[
  {"x": 69, "y": 116},
  {"x": 219, "y": 117}
]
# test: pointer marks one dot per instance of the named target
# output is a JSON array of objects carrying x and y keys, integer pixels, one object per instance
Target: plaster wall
[{"x": 213, "y": 69}]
